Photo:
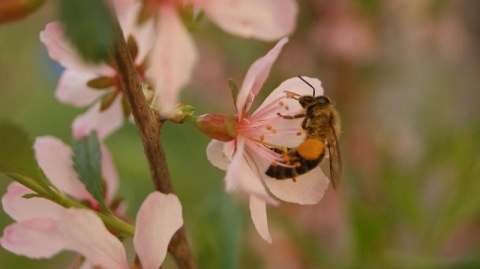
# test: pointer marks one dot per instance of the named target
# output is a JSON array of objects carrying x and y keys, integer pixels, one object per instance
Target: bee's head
[{"x": 308, "y": 100}]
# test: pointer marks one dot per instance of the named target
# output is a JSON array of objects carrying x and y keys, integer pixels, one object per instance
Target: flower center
[{"x": 265, "y": 132}]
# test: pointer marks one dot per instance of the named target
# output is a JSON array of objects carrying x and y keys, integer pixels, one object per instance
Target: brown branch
[{"x": 149, "y": 127}]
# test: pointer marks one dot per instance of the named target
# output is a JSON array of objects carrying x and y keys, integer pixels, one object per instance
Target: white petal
[
  {"x": 84, "y": 232},
  {"x": 20, "y": 208},
  {"x": 173, "y": 57},
  {"x": 159, "y": 217},
  {"x": 60, "y": 50},
  {"x": 256, "y": 76},
  {"x": 243, "y": 174},
  {"x": 258, "y": 212},
  {"x": 289, "y": 106},
  {"x": 72, "y": 88},
  {"x": 103, "y": 122},
  {"x": 55, "y": 159},
  {"x": 34, "y": 238},
  {"x": 262, "y": 19},
  {"x": 143, "y": 33},
  {"x": 216, "y": 155},
  {"x": 308, "y": 189},
  {"x": 294, "y": 85}
]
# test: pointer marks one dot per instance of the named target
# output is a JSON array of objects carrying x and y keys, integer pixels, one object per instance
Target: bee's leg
[
  {"x": 304, "y": 124},
  {"x": 297, "y": 116}
]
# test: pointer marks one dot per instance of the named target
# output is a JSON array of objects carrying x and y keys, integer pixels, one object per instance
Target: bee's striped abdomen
[{"x": 302, "y": 166}]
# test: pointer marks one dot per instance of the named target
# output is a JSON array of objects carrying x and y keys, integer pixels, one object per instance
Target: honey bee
[{"x": 322, "y": 127}]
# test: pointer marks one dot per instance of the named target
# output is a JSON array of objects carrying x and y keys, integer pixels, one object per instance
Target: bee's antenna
[{"x": 308, "y": 84}]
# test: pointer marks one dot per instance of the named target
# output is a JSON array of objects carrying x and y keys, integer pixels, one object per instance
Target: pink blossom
[
  {"x": 35, "y": 233},
  {"x": 248, "y": 155},
  {"x": 79, "y": 85},
  {"x": 159, "y": 217},
  {"x": 173, "y": 57},
  {"x": 175, "y": 54},
  {"x": 266, "y": 20}
]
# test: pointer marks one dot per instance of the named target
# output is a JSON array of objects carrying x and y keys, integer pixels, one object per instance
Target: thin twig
[{"x": 149, "y": 127}]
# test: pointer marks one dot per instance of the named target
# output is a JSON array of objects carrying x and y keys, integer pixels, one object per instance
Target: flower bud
[
  {"x": 11, "y": 10},
  {"x": 221, "y": 127}
]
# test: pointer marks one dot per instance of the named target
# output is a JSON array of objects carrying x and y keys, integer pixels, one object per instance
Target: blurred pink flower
[
  {"x": 248, "y": 155},
  {"x": 266, "y": 20},
  {"x": 344, "y": 34},
  {"x": 83, "y": 83},
  {"x": 159, "y": 217},
  {"x": 175, "y": 54},
  {"x": 172, "y": 59},
  {"x": 35, "y": 233}
]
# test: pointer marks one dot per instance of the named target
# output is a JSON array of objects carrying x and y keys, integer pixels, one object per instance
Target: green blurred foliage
[{"x": 404, "y": 75}]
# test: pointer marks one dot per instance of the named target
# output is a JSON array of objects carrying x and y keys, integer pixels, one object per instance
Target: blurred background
[{"x": 404, "y": 75}]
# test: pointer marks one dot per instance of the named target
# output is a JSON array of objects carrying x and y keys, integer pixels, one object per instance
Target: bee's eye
[{"x": 323, "y": 100}]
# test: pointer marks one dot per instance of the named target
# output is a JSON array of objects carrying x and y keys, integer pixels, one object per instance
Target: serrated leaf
[
  {"x": 87, "y": 163},
  {"x": 16, "y": 154},
  {"x": 90, "y": 26}
]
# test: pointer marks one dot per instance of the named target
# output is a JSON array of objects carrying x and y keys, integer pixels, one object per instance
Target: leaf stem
[
  {"x": 111, "y": 221},
  {"x": 149, "y": 128}
]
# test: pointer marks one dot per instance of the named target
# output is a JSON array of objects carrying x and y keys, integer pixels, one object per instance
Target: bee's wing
[{"x": 335, "y": 159}]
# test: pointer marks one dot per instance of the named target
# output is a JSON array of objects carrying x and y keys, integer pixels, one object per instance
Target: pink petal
[
  {"x": 144, "y": 33},
  {"x": 60, "y": 50},
  {"x": 159, "y": 217},
  {"x": 20, "y": 208},
  {"x": 34, "y": 238},
  {"x": 216, "y": 154},
  {"x": 262, "y": 19},
  {"x": 84, "y": 232},
  {"x": 109, "y": 174},
  {"x": 295, "y": 85},
  {"x": 122, "y": 4},
  {"x": 72, "y": 88},
  {"x": 173, "y": 57},
  {"x": 55, "y": 159},
  {"x": 243, "y": 174},
  {"x": 307, "y": 190},
  {"x": 103, "y": 122},
  {"x": 256, "y": 76},
  {"x": 258, "y": 212}
]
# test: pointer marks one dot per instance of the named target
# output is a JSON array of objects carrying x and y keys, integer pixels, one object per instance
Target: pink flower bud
[
  {"x": 221, "y": 127},
  {"x": 11, "y": 10}
]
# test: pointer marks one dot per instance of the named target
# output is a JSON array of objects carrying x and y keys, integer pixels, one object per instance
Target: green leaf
[
  {"x": 87, "y": 163},
  {"x": 17, "y": 159},
  {"x": 90, "y": 26}
]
